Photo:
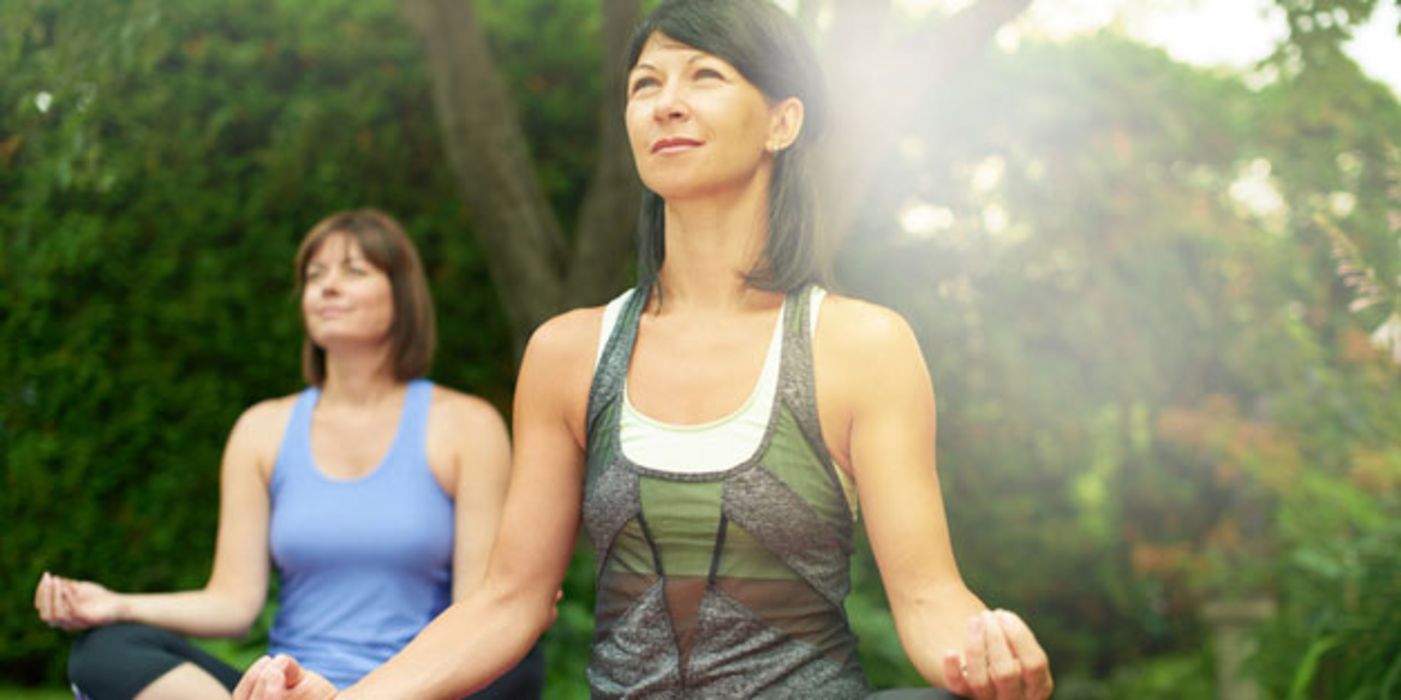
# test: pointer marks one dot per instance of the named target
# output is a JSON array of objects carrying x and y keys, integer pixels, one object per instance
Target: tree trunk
[
  {"x": 608, "y": 216},
  {"x": 536, "y": 269},
  {"x": 525, "y": 247}
]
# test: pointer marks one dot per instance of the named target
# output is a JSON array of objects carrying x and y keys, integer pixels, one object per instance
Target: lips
[{"x": 674, "y": 144}]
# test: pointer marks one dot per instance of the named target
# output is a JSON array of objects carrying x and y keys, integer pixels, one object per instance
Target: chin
[
  {"x": 673, "y": 191},
  {"x": 332, "y": 340},
  {"x": 678, "y": 186}
]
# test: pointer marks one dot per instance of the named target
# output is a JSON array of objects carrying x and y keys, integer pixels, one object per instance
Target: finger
[
  {"x": 271, "y": 683},
  {"x": 244, "y": 690},
  {"x": 291, "y": 672},
  {"x": 1036, "y": 668},
  {"x": 39, "y": 592},
  {"x": 1003, "y": 667},
  {"x": 976, "y": 656},
  {"x": 51, "y": 612},
  {"x": 48, "y": 601},
  {"x": 72, "y": 606},
  {"x": 55, "y": 603},
  {"x": 41, "y": 597},
  {"x": 67, "y": 610},
  {"x": 68, "y": 603},
  {"x": 954, "y": 678},
  {"x": 287, "y": 672}
]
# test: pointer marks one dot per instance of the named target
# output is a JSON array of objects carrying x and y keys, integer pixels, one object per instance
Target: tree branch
[
  {"x": 608, "y": 215},
  {"x": 857, "y": 63},
  {"x": 955, "y": 41},
  {"x": 481, "y": 132}
]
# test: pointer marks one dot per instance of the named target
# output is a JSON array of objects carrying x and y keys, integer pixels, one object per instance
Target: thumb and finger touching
[
  {"x": 1000, "y": 660},
  {"x": 1035, "y": 667}
]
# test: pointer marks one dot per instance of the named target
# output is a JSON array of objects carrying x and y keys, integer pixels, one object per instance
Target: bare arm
[
  {"x": 237, "y": 587},
  {"x": 890, "y": 445},
  {"x": 493, "y": 625}
]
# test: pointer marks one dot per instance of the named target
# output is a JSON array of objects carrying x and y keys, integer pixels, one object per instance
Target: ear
[{"x": 785, "y": 124}]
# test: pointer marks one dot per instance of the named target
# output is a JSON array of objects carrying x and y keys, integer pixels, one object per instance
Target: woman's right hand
[{"x": 75, "y": 605}]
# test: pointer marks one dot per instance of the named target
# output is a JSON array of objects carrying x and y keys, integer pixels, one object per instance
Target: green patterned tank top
[{"x": 721, "y": 584}]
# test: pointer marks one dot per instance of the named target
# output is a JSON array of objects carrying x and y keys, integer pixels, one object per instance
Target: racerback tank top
[
  {"x": 363, "y": 564},
  {"x": 723, "y": 582}
]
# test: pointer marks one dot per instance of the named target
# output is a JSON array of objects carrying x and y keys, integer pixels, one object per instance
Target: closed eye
[{"x": 643, "y": 82}]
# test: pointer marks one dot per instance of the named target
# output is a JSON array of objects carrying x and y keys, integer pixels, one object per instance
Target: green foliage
[
  {"x": 161, "y": 162},
  {"x": 8, "y": 693},
  {"x": 1058, "y": 338},
  {"x": 1152, "y": 391},
  {"x": 559, "y": 90},
  {"x": 1339, "y": 635}
]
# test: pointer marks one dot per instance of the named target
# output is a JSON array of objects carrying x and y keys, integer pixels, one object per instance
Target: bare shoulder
[
  {"x": 862, "y": 329},
  {"x": 557, "y": 370},
  {"x": 570, "y": 337},
  {"x": 261, "y": 425},
  {"x": 257, "y": 436},
  {"x": 466, "y": 436},
  {"x": 463, "y": 409}
]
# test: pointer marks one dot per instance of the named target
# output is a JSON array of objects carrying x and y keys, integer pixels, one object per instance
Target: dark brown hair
[
  {"x": 768, "y": 48},
  {"x": 413, "y": 334}
]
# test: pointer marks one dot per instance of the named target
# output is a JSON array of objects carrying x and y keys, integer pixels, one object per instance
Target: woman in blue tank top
[
  {"x": 375, "y": 493},
  {"x": 718, "y": 577}
]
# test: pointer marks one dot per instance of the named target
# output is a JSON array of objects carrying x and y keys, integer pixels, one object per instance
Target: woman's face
[
  {"x": 696, "y": 125},
  {"x": 345, "y": 298}
]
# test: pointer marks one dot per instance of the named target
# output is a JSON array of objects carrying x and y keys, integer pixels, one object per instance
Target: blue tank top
[{"x": 363, "y": 563}]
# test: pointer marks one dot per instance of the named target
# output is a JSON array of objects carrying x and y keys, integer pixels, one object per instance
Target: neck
[
  {"x": 712, "y": 242},
  {"x": 359, "y": 376}
]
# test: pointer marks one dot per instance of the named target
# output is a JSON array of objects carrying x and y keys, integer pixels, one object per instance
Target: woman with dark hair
[
  {"x": 375, "y": 492},
  {"x": 716, "y": 428}
]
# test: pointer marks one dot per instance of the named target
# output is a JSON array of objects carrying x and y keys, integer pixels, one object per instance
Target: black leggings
[{"x": 118, "y": 661}]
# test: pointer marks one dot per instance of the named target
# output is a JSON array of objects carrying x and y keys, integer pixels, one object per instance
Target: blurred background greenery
[{"x": 1160, "y": 304}]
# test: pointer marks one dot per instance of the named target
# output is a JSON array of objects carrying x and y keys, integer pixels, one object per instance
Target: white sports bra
[{"x": 714, "y": 445}]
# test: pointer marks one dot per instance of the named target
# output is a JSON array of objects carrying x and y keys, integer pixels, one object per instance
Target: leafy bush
[{"x": 160, "y": 162}]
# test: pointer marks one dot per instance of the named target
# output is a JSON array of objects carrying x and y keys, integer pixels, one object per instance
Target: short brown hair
[{"x": 414, "y": 332}]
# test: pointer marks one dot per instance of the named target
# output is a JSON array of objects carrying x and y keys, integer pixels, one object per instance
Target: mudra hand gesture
[
  {"x": 1001, "y": 660},
  {"x": 282, "y": 678},
  {"x": 74, "y": 605}
]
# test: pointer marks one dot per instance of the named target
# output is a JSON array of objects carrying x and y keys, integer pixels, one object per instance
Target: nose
[
  {"x": 670, "y": 103},
  {"x": 328, "y": 283}
]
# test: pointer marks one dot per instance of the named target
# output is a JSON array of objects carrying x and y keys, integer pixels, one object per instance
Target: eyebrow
[
  {"x": 697, "y": 56},
  {"x": 348, "y": 257}
]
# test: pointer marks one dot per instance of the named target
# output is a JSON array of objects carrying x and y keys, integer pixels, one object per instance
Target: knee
[{"x": 96, "y": 654}]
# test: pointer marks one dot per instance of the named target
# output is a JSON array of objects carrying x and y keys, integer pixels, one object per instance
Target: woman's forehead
[
  {"x": 659, "y": 44},
  {"x": 337, "y": 245}
]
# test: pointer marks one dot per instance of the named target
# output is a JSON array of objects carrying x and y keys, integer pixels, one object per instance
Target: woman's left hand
[
  {"x": 282, "y": 678},
  {"x": 1001, "y": 660}
]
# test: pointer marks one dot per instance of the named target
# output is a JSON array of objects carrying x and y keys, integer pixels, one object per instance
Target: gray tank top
[{"x": 728, "y": 583}]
